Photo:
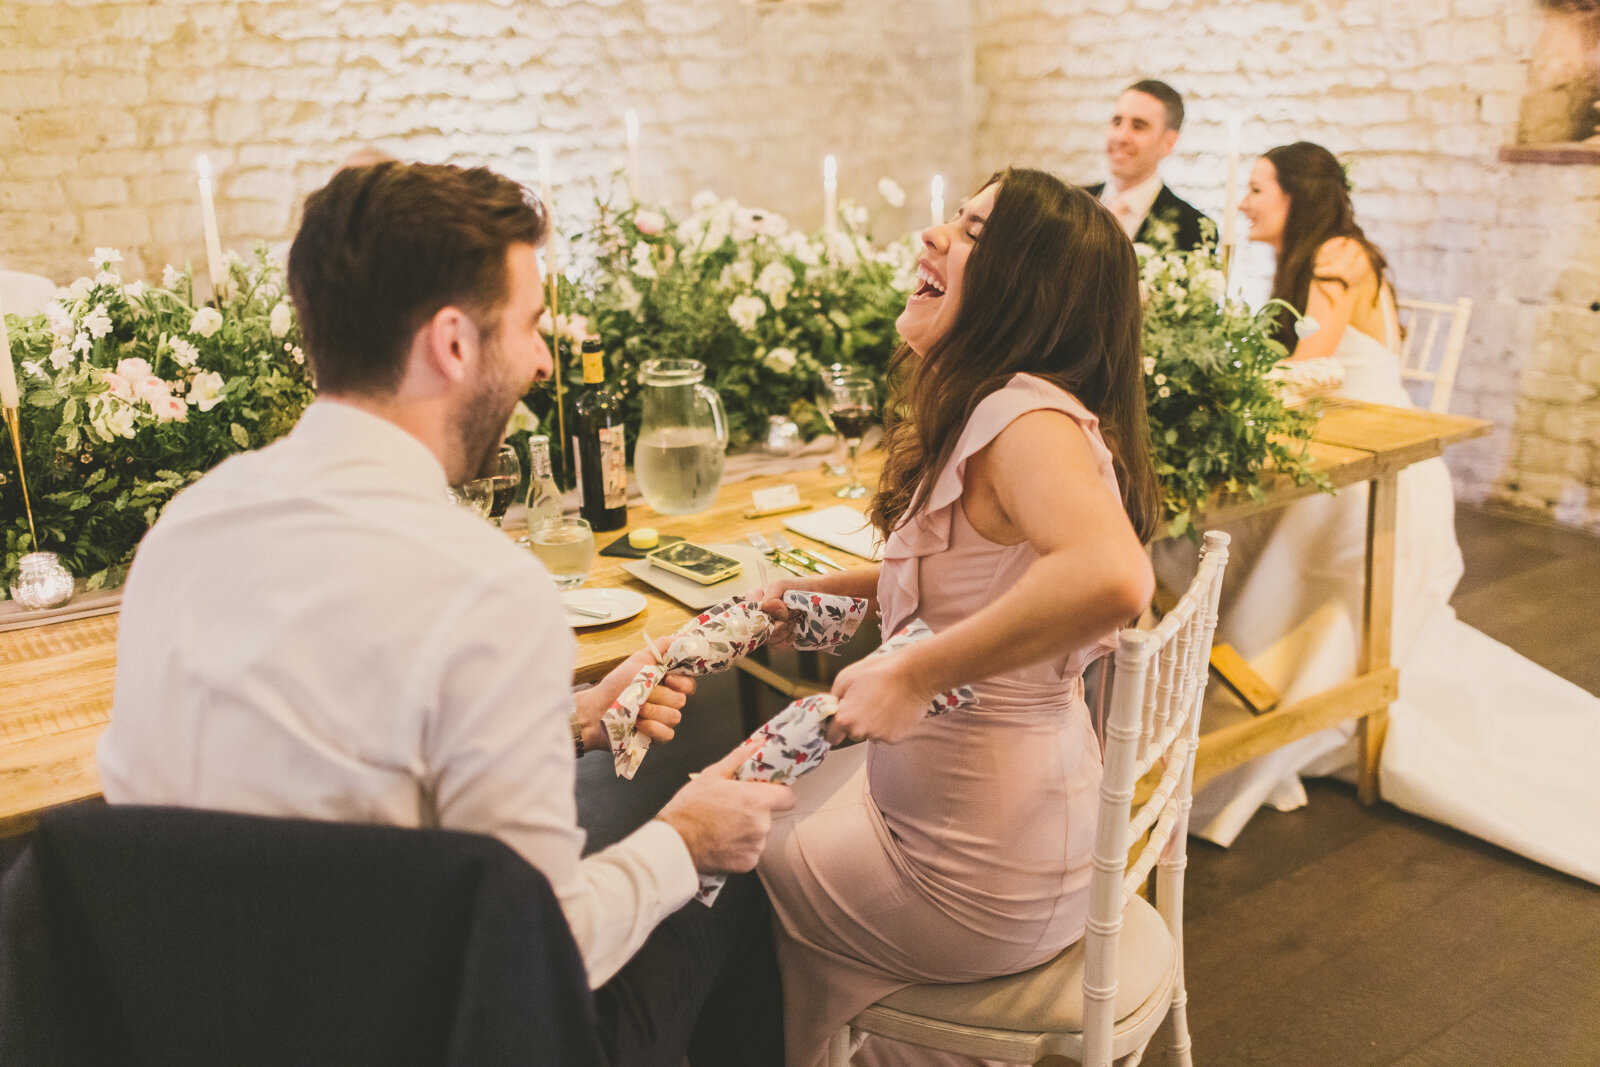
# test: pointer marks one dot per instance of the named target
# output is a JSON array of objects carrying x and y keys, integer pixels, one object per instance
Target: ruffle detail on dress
[{"x": 928, "y": 532}]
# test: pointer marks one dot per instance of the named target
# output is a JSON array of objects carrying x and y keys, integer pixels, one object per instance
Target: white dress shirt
[
  {"x": 1139, "y": 199},
  {"x": 313, "y": 630}
]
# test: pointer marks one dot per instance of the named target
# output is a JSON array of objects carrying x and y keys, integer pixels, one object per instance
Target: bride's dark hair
[
  {"x": 1051, "y": 289},
  {"x": 1319, "y": 210}
]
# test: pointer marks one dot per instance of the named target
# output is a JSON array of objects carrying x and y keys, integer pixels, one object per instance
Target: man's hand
[
  {"x": 722, "y": 820},
  {"x": 662, "y": 710},
  {"x": 879, "y": 700}
]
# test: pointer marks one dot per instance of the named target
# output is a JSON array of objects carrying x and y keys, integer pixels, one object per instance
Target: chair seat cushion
[{"x": 1049, "y": 998}]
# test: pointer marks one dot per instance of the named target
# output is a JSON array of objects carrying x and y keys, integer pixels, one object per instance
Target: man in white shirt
[
  {"x": 1144, "y": 131},
  {"x": 314, "y": 630}
]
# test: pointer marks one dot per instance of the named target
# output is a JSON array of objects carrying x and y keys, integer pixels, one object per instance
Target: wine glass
[
  {"x": 851, "y": 403},
  {"x": 505, "y": 475},
  {"x": 476, "y": 496},
  {"x": 831, "y": 465},
  {"x": 565, "y": 545}
]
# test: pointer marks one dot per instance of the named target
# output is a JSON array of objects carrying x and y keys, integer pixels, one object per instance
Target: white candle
[
  {"x": 830, "y": 194},
  {"x": 936, "y": 202},
  {"x": 8, "y": 373},
  {"x": 631, "y": 121},
  {"x": 1232, "y": 200},
  {"x": 545, "y": 197},
  {"x": 208, "y": 218}
]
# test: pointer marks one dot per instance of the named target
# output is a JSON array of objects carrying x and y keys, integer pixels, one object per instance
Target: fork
[
  {"x": 804, "y": 554},
  {"x": 760, "y": 544}
]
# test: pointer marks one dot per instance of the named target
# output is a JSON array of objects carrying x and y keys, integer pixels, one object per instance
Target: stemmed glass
[
  {"x": 505, "y": 475},
  {"x": 830, "y": 465},
  {"x": 849, "y": 402}
]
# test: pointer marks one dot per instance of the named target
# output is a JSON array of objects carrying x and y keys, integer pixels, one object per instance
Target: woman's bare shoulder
[{"x": 1343, "y": 258}]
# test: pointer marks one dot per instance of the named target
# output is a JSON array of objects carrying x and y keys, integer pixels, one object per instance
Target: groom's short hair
[{"x": 1170, "y": 99}]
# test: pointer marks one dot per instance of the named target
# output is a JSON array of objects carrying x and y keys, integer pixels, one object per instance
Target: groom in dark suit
[{"x": 1143, "y": 132}]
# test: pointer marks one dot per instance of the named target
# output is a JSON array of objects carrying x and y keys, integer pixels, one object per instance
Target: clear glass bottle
[
  {"x": 544, "y": 496},
  {"x": 42, "y": 582}
]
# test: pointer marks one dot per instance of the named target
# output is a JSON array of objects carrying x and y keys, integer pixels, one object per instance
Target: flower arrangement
[
  {"x": 763, "y": 306},
  {"x": 1218, "y": 418},
  {"x": 132, "y": 391}
]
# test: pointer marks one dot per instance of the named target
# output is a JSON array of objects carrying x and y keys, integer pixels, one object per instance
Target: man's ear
[
  {"x": 1169, "y": 141},
  {"x": 448, "y": 344}
]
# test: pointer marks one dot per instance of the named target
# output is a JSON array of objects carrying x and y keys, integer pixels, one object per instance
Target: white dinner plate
[{"x": 621, "y": 603}]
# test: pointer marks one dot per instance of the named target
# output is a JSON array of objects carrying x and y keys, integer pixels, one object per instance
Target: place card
[{"x": 777, "y": 500}]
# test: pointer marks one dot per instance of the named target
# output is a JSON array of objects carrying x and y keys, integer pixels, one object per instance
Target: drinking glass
[
  {"x": 476, "y": 496},
  {"x": 831, "y": 465},
  {"x": 850, "y": 401},
  {"x": 565, "y": 546},
  {"x": 505, "y": 475}
]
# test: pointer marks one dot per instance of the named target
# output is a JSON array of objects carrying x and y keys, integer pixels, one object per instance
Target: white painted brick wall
[
  {"x": 1419, "y": 95},
  {"x": 104, "y": 105}
]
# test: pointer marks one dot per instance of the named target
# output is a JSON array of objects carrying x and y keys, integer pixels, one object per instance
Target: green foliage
[
  {"x": 1218, "y": 418},
  {"x": 131, "y": 392}
]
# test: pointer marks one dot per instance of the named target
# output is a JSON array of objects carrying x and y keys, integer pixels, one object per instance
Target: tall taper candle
[
  {"x": 544, "y": 179},
  {"x": 936, "y": 201},
  {"x": 635, "y": 188},
  {"x": 552, "y": 270},
  {"x": 1232, "y": 201},
  {"x": 830, "y": 194},
  {"x": 208, "y": 218},
  {"x": 8, "y": 372}
]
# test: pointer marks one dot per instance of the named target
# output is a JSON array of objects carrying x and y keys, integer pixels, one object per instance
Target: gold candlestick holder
[
  {"x": 555, "y": 350},
  {"x": 14, "y": 424}
]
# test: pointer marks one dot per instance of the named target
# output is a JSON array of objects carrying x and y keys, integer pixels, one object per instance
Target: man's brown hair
[{"x": 382, "y": 248}]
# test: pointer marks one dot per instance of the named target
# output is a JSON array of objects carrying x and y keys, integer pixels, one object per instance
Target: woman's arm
[
  {"x": 1341, "y": 271},
  {"x": 1091, "y": 577}
]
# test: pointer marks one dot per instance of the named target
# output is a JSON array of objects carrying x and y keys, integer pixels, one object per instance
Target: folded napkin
[
  {"x": 713, "y": 642},
  {"x": 795, "y": 740}
]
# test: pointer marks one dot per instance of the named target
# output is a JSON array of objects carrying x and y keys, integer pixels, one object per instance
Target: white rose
[
  {"x": 521, "y": 419},
  {"x": 745, "y": 310},
  {"x": 184, "y": 353},
  {"x": 169, "y": 409},
  {"x": 133, "y": 368},
  {"x": 80, "y": 288},
  {"x": 281, "y": 319},
  {"x": 776, "y": 280},
  {"x": 772, "y": 225},
  {"x": 205, "y": 392},
  {"x": 649, "y": 223},
  {"x": 1305, "y": 327},
  {"x": 891, "y": 192},
  {"x": 207, "y": 321},
  {"x": 113, "y": 418},
  {"x": 97, "y": 322},
  {"x": 782, "y": 360}
]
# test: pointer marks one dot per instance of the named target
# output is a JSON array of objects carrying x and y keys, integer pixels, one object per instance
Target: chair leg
[{"x": 1179, "y": 1047}]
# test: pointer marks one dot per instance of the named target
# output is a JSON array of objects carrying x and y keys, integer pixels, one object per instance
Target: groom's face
[{"x": 1138, "y": 138}]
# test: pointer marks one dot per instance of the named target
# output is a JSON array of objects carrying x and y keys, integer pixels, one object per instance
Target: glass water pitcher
[{"x": 682, "y": 438}]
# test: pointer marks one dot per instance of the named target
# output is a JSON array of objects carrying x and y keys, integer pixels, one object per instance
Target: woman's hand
[
  {"x": 879, "y": 700},
  {"x": 662, "y": 709},
  {"x": 770, "y": 600}
]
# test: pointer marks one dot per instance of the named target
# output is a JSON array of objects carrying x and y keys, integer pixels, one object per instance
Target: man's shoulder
[
  {"x": 1170, "y": 200},
  {"x": 1096, "y": 189}
]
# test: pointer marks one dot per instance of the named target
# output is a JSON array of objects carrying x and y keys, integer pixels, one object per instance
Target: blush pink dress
[{"x": 963, "y": 852}]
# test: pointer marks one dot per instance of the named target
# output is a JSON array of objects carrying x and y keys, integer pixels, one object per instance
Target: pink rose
[
  {"x": 649, "y": 223},
  {"x": 133, "y": 369},
  {"x": 118, "y": 385},
  {"x": 151, "y": 389},
  {"x": 169, "y": 408}
]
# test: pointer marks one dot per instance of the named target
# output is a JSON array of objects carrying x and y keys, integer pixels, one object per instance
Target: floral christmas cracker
[
  {"x": 795, "y": 740},
  {"x": 714, "y": 641}
]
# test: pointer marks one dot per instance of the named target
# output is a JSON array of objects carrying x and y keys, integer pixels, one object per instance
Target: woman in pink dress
[{"x": 1016, "y": 497}]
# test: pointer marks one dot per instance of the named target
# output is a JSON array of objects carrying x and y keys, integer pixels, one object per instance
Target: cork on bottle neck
[{"x": 594, "y": 362}]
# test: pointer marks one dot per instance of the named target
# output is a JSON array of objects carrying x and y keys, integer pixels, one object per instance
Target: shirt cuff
[{"x": 669, "y": 856}]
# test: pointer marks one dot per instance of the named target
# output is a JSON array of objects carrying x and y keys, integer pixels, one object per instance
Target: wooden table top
[{"x": 57, "y": 679}]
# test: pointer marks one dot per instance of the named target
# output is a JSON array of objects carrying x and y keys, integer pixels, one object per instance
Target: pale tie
[{"x": 1124, "y": 213}]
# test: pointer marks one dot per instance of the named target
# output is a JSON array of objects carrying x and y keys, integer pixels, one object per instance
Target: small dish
[{"x": 620, "y": 604}]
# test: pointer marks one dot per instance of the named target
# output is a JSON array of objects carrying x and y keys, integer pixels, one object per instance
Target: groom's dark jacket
[{"x": 1171, "y": 220}]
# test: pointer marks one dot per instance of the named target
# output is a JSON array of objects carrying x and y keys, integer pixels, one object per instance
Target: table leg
[{"x": 1377, "y": 618}]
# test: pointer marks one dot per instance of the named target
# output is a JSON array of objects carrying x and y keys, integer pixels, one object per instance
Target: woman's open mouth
[{"x": 930, "y": 286}]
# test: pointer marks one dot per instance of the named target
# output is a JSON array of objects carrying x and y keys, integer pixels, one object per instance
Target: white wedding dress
[{"x": 1481, "y": 738}]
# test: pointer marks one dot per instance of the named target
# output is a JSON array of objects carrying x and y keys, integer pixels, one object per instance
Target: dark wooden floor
[{"x": 1345, "y": 935}]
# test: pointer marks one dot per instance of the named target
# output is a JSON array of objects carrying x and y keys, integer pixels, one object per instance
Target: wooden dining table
[{"x": 56, "y": 679}]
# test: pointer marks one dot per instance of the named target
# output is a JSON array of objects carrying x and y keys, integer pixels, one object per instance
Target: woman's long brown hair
[
  {"x": 1319, "y": 210},
  {"x": 1051, "y": 289}
]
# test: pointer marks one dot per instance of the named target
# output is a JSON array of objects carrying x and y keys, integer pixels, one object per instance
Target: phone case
[{"x": 695, "y": 562}]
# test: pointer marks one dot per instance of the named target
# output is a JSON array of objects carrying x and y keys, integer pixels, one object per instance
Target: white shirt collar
[
  {"x": 331, "y": 427},
  {"x": 1139, "y": 198}
]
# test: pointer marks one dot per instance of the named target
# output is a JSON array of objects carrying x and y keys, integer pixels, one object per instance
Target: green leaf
[{"x": 240, "y": 437}]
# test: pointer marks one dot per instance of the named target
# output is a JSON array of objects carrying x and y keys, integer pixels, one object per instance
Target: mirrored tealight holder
[{"x": 41, "y": 582}]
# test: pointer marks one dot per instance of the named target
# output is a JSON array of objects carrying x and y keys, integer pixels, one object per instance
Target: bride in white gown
[{"x": 1480, "y": 738}]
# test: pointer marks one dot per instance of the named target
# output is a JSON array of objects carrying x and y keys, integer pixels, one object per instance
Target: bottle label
[
  {"x": 594, "y": 367},
  {"x": 614, "y": 466}
]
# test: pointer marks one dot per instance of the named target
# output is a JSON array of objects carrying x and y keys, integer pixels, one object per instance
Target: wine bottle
[
  {"x": 599, "y": 447},
  {"x": 544, "y": 497}
]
